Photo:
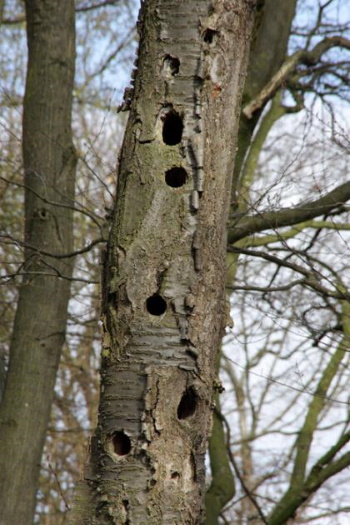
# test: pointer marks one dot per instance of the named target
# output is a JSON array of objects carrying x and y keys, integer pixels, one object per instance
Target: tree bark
[
  {"x": 164, "y": 275},
  {"x": 40, "y": 321}
]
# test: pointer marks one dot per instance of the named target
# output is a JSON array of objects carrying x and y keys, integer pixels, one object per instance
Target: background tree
[
  {"x": 49, "y": 171},
  {"x": 268, "y": 50},
  {"x": 305, "y": 467},
  {"x": 77, "y": 376}
]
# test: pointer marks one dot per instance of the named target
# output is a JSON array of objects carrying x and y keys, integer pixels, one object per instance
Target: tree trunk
[
  {"x": 39, "y": 328},
  {"x": 268, "y": 50},
  {"x": 164, "y": 275}
]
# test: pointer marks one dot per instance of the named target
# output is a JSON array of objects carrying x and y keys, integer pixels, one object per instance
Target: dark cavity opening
[
  {"x": 209, "y": 35},
  {"x": 176, "y": 177},
  {"x": 172, "y": 64},
  {"x": 187, "y": 405},
  {"x": 43, "y": 214},
  {"x": 172, "y": 128},
  {"x": 175, "y": 475},
  {"x": 121, "y": 443},
  {"x": 125, "y": 503},
  {"x": 156, "y": 305},
  {"x": 112, "y": 298}
]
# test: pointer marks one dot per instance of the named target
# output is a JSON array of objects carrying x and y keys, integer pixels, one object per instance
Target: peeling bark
[{"x": 164, "y": 275}]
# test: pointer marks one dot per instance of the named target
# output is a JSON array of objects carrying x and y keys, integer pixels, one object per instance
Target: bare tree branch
[
  {"x": 307, "y": 58},
  {"x": 264, "y": 289},
  {"x": 91, "y": 7},
  {"x": 69, "y": 255},
  {"x": 310, "y": 278},
  {"x": 79, "y": 9},
  {"x": 246, "y": 226},
  {"x": 76, "y": 207},
  {"x": 248, "y": 492}
]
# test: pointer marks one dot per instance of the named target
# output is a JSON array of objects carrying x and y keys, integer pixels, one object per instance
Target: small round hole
[
  {"x": 187, "y": 405},
  {"x": 156, "y": 305},
  {"x": 171, "y": 65},
  {"x": 172, "y": 128},
  {"x": 209, "y": 35},
  {"x": 176, "y": 177},
  {"x": 112, "y": 298},
  {"x": 121, "y": 443},
  {"x": 43, "y": 214},
  {"x": 175, "y": 475}
]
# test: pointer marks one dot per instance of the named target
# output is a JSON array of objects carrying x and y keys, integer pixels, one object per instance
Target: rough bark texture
[
  {"x": 39, "y": 328},
  {"x": 165, "y": 267}
]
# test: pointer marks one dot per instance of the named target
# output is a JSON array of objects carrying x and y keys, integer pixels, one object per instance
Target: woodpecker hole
[
  {"x": 187, "y": 405},
  {"x": 125, "y": 504},
  {"x": 171, "y": 65},
  {"x": 175, "y": 475},
  {"x": 172, "y": 128},
  {"x": 112, "y": 298},
  {"x": 43, "y": 214},
  {"x": 209, "y": 35},
  {"x": 176, "y": 177},
  {"x": 156, "y": 305},
  {"x": 121, "y": 443}
]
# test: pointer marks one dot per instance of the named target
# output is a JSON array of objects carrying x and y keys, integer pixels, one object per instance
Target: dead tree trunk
[
  {"x": 40, "y": 322},
  {"x": 164, "y": 274}
]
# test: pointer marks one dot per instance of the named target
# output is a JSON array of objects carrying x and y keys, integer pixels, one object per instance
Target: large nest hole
[
  {"x": 121, "y": 443},
  {"x": 156, "y": 305},
  {"x": 188, "y": 404},
  {"x": 176, "y": 177},
  {"x": 172, "y": 128}
]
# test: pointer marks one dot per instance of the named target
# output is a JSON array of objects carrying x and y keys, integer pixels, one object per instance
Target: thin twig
[
  {"x": 236, "y": 469},
  {"x": 54, "y": 473}
]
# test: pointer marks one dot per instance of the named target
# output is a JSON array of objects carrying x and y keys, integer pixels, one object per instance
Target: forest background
[{"x": 285, "y": 361}]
